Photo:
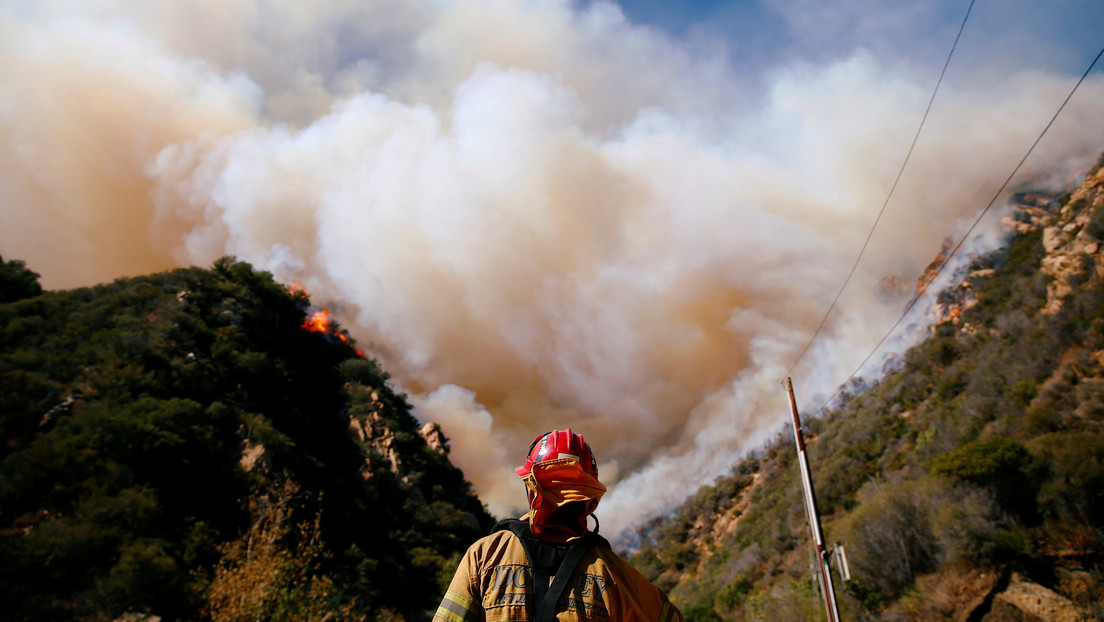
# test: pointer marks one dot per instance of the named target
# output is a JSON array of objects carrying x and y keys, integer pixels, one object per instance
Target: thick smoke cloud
[{"x": 537, "y": 214}]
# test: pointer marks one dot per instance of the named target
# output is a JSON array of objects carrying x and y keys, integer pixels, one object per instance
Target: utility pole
[{"x": 824, "y": 572}]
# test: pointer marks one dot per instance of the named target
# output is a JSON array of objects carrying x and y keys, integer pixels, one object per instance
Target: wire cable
[
  {"x": 892, "y": 188},
  {"x": 966, "y": 235}
]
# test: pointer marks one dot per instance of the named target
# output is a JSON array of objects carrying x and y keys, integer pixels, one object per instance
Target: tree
[{"x": 17, "y": 281}]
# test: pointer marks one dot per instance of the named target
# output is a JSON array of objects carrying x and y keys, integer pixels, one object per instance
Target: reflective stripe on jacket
[{"x": 494, "y": 583}]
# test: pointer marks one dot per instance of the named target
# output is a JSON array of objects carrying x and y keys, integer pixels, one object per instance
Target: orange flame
[{"x": 319, "y": 322}]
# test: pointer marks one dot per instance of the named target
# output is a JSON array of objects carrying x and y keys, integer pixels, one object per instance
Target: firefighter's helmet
[{"x": 559, "y": 444}]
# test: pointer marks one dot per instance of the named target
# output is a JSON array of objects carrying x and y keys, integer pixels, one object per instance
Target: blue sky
[{"x": 1055, "y": 35}]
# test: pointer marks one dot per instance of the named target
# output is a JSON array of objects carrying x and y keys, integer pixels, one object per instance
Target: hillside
[
  {"x": 966, "y": 484},
  {"x": 181, "y": 446}
]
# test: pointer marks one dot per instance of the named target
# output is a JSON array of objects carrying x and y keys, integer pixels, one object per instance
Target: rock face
[
  {"x": 1024, "y": 600},
  {"x": 1070, "y": 239},
  {"x": 434, "y": 437},
  {"x": 954, "y": 301},
  {"x": 250, "y": 454},
  {"x": 924, "y": 280},
  {"x": 376, "y": 434}
]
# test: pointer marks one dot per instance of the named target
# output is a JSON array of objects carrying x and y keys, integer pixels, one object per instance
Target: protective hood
[{"x": 563, "y": 496}]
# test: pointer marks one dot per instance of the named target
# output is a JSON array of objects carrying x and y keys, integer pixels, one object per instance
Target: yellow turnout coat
[{"x": 494, "y": 583}]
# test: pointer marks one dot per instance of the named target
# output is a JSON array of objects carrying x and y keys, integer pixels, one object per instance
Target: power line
[
  {"x": 874, "y": 226},
  {"x": 966, "y": 235}
]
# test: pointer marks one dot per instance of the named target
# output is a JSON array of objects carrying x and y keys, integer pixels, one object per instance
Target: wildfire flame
[{"x": 320, "y": 321}]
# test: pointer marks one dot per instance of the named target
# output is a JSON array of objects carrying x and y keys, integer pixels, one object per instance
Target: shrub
[
  {"x": 272, "y": 571},
  {"x": 1090, "y": 399},
  {"x": 796, "y": 599},
  {"x": 997, "y": 464},
  {"x": 902, "y": 530},
  {"x": 701, "y": 613},
  {"x": 1023, "y": 392},
  {"x": 897, "y": 541},
  {"x": 1051, "y": 409},
  {"x": 144, "y": 577},
  {"x": 1073, "y": 484},
  {"x": 735, "y": 592}
]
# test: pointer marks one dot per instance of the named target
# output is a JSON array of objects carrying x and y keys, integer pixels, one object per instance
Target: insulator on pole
[{"x": 841, "y": 562}]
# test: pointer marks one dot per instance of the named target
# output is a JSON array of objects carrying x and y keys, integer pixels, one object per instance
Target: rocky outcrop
[
  {"x": 1025, "y": 600},
  {"x": 434, "y": 437},
  {"x": 376, "y": 437},
  {"x": 1030, "y": 211},
  {"x": 933, "y": 268},
  {"x": 727, "y": 522},
  {"x": 952, "y": 302},
  {"x": 1071, "y": 242},
  {"x": 379, "y": 435},
  {"x": 251, "y": 452},
  {"x": 1069, "y": 239}
]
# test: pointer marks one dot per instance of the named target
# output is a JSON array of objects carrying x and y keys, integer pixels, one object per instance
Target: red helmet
[{"x": 559, "y": 444}]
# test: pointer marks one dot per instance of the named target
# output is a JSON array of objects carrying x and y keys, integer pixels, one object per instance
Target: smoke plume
[{"x": 537, "y": 214}]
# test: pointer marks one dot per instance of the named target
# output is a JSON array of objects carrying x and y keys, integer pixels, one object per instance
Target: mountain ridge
[{"x": 156, "y": 429}]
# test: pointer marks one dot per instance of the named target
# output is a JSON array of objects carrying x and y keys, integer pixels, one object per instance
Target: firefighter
[{"x": 547, "y": 565}]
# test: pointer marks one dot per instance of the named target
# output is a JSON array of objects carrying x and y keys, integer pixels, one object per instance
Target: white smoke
[{"x": 537, "y": 214}]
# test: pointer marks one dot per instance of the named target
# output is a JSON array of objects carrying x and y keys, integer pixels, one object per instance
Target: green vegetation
[
  {"x": 179, "y": 445},
  {"x": 17, "y": 281},
  {"x": 980, "y": 454}
]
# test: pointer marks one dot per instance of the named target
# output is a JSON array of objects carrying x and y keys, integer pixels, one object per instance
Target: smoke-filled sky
[{"x": 626, "y": 219}]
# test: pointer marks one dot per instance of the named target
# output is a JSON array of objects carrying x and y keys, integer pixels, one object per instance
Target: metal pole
[{"x": 827, "y": 590}]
